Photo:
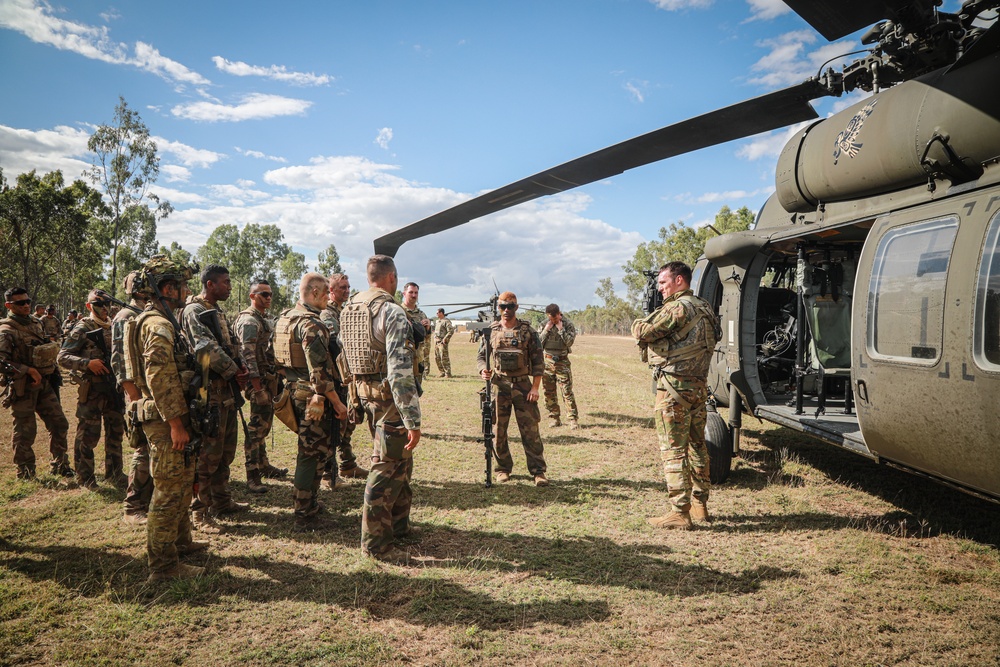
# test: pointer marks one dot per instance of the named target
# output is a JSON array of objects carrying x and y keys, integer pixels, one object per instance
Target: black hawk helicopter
[{"x": 863, "y": 308}]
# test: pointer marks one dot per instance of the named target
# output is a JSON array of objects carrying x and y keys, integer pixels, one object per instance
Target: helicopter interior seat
[{"x": 827, "y": 295}]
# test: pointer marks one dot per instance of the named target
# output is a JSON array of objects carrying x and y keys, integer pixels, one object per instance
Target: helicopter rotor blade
[
  {"x": 986, "y": 45},
  {"x": 838, "y": 18},
  {"x": 760, "y": 114}
]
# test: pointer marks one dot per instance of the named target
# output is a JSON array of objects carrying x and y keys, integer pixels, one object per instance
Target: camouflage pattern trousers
[
  {"x": 169, "y": 523},
  {"x": 313, "y": 452},
  {"x": 258, "y": 427},
  {"x": 441, "y": 358},
  {"x": 98, "y": 407},
  {"x": 217, "y": 454},
  {"x": 513, "y": 396},
  {"x": 557, "y": 370},
  {"x": 43, "y": 401},
  {"x": 680, "y": 430},
  {"x": 427, "y": 346},
  {"x": 140, "y": 480},
  {"x": 345, "y": 451},
  {"x": 388, "y": 496}
]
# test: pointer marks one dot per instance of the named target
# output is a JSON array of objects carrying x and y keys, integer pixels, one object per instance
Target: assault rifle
[
  {"x": 97, "y": 338},
  {"x": 210, "y": 318},
  {"x": 7, "y": 368},
  {"x": 651, "y": 297},
  {"x": 486, "y": 404},
  {"x": 118, "y": 302},
  {"x": 204, "y": 418}
]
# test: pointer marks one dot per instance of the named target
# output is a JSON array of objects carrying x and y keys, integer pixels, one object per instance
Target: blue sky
[{"x": 341, "y": 121}]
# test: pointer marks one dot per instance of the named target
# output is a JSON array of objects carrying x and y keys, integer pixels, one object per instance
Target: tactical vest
[
  {"x": 688, "y": 350},
  {"x": 365, "y": 355},
  {"x": 134, "y": 354},
  {"x": 510, "y": 349},
  {"x": 265, "y": 341},
  {"x": 119, "y": 365},
  {"x": 288, "y": 350},
  {"x": 31, "y": 348}
]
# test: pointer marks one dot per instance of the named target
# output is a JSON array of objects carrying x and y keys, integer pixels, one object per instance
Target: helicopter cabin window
[
  {"x": 987, "y": 336},
  {"x": 906, "y": 295}
]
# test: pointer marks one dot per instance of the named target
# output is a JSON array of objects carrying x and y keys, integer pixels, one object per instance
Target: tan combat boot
[
  {"x": 554, "y": 422},
  {"x": 675, "y": 520},
  {"x": 254, "y": 483},
  {"x": 699, "y": 512},
  {"x": 357, "y": 472},
  {"x": 191, "y": 547},
  {"x": 574, "y": 425},
  {"x": 205, "y": 522},
  {"x": 182, "y": 571},
  {"x": 541, "y": 480}
]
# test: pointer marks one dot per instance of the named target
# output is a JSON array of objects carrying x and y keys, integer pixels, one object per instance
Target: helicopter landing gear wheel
[{"x": 719, "y": 442}]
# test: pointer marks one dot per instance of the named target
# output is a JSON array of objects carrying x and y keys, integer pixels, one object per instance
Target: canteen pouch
[
  {"x": 285, "y": 410},
  {"x": 43, "y": 357}
]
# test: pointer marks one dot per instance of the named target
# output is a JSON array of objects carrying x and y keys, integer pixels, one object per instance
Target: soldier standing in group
[
  {"x": 156, "y": 351},
  {"x": 678, "y": 340},
  {"x": 99, "y": 399},
  {"x": 70, "y": 322},
  {"x": 443, "y": 331},
  {"x": 378, "y": 343},
  {"x": 422, "y": 335},
  {"x": 30, "y": 360},
  {"x": 339, "y": 292},
  {"x": 50, "y": 324},
  {"x": 302, "y": 350},
  {"x": 217, "y": 452},
  {"x": 516, "y": 367},
  {"x": 557, "y": 336},
  {"x": 255, "y": 338},
  {"x": 140, "y": 482}
]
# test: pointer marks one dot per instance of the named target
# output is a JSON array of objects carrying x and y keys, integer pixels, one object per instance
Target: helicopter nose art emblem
[{"x": 846, "y": 141}]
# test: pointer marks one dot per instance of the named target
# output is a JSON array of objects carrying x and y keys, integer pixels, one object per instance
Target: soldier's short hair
[
  {"x": 677, "y": 269},
  {"x": 257, "y": 282},
  {"x": 441, "y": 310},
  {"x": 336, "y": 278},
  {"x": 380, "y": 266},
  {"x": 213, "y": 272},
  {"x": 311, "y": 280},
  {"x": 552, "y": 309},
  {"x": 507, "y": 297},
  {"x": 9, "y": 295},
  {"x": 50, "y": 307},
  {"x": 409, "y": 285},
  {"x": 72, "y": 312}
]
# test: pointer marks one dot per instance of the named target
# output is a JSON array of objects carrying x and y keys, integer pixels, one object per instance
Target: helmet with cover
[{"x": 160, "y": 268}]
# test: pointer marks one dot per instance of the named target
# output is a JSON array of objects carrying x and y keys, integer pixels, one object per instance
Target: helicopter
[
  {"x": 487, "y": 312},
  {"x": 863, "y": 306}
]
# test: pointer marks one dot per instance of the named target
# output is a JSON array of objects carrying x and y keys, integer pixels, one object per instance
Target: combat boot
[
  {"x": 574, "y": 425},
  {"x": 182, "y": 571},
  {"x": 254, "y": 484},
  {"x": 699, "y": 512},
  {"x": 412, "y": 534},
  {"x": 232, "y": 507},
  {"x": 503, "y": 477},
  {"x": 89, "y": 483},
  {"x": 393, "y": 555},
  {"x": 272, "y": 472},
  {"x": 541, "y": 480},
  {"x": 675, "y": 520},
  {"x": 357, "y": 472},
  {"x": 554, "y": 422},
  {"x": 191, "y": 547},
  {"x": 25, "y": 472},
  {"x": 135, "y": 518},
  {"x": 205, "y": 522},
  {"x": 63, "y": 469}
]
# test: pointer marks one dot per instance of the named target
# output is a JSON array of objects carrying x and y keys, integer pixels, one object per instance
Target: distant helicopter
[
  {"x": 863, "y": 308},
  {"x": 487, "y": 312}
]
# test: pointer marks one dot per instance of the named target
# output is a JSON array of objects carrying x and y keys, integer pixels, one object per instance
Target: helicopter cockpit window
[
  {"x": 987, "y": 337},
  {"x": 907, "y": 291}
]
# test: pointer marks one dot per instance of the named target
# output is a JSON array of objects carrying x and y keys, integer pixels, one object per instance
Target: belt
[
  {"x": 515, "y": 378},
  {"x": 557, "y": 355}
]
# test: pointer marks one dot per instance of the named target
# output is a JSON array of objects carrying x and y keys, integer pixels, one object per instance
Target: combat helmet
[
  {"x": 160, "y": 267},
  {"x": 135, "y": 285}
]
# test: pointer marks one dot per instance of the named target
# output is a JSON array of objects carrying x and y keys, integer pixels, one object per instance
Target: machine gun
[
  {"x": 487, "y": 405},
  {"x": 97, "y": 338},
  {"x": 210, "y": 318}
]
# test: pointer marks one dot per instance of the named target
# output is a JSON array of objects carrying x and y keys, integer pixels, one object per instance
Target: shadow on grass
[
  {"x": 614, "y": 420},
  {"x": 520, "y": 491}
]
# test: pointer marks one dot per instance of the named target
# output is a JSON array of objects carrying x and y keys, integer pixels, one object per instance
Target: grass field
[{"x": 817, "y": 557}]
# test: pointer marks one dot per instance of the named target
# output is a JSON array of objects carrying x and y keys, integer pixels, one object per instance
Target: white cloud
[
  {"x": 237, "y": 195},
  {"x": 765, "y": 10},
  {"x": 63, "y": 148},
  {"x": 769, "y": 145},
  {"x": 173, "y": 173},
  {"x": 384, "y": 137},
  {"x": 260, "y": 156},
  {"x": 252, "y": 107},
  {"x": 273, "y": 72},
  {"x": 634, "y": 91},
  {"x": 676, "y": 5},
  {"x": 727, "y": 196},
  {"x": 187, "y": 155},
  {"x": 34, "y": 19},
  {"x": 788, "y": 62}
]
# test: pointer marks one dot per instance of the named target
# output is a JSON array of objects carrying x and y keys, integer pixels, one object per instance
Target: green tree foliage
[
  {"x": 613, "y": 318},
  {"x": 292, "y": 268},
  {"x": 679, "y": 242},
  {"x": 176, "y": 253},
  {"x": 52, "y": 246},
  {"x": 253, "y": 253},
  {"x": 329, "y": 261},
  {"x": 125, "y": 166}
]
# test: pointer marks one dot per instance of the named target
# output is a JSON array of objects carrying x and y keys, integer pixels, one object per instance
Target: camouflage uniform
[
  {"x": 423, "y": 353},
  {"x": 255, "y": 336},
  {"x": 21, "y": 339},
  {"x": 557, "y": 345},
  {"x": 513, "y": 380},
  {"x": 161, "y": 379},
  {"x": 378, "y": 343},
  {"x": 344, "y": 381},
  {"x": 51, "y": 328},
  {"x": 679, "y": 338},
  {"x": 443, "y": 331},
  {"x": 67, "y": 326},
  {"x": 140, "y": 481},
  {"x": 301, "y": 347},
  {"x": 217, "y": 453},
  {"x": 100, "y": 400}
]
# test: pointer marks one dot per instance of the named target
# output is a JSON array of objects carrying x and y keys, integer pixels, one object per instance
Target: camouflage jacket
[
  {"x": 309, "y": 332},
  {"x": 118, "y": 366},
  {"x": 443, "y": 329},
  {"x": 68, "y": 325},
  {"x": 51, "y": 327},
  {"x": 519, "y": 338},
  {"x": 161, "y": 378},
  {"x": 17, "y": 336},
  {"x": 418, "y": 316},
  {"x": 202, "y": 341},
  {"x": 331, "y": 318},
  {"x": 678, "y": 324},
  {"x": 557, "y": 341},
  {"x": 78, "y": 350},
  {"x": 255, "y": 338}
]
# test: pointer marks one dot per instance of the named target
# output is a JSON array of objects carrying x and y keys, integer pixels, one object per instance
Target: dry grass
[{"x": 817, "y": 557}]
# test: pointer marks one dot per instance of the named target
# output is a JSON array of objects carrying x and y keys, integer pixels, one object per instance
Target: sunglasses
[
  {"x": 22, "y": 302},
  {"x": 100, "y": 304},
  {"x": 266, "y": 295},
  {"x": 507, "y": 306}
]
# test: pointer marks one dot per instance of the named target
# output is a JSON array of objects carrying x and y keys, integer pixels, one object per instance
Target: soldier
[
  {"x": 302, "y": 350},
  {"x": 339, "y": 292},
  {"x": 443, "y": 331},
  {"x": 557, "y": 336},
  {"x": 411, "y": 291},
  {"x": 99, "y": 399},
  {"x": 678, "y": 340},
  {"x": 70, "y": 322},
  {"x": 51, "y": 326},
  {"x": 39, "y": 313},
  {"x": 30, "y": 362},
  {"x": 156, "y": 351},
  {"x": 217, "y": 452},
  {"x": 140, "y": 482},
  {"x": 516, "y": 367},
  {"x": 254, "y": 335},
  {"x": 378, "y": 343}
]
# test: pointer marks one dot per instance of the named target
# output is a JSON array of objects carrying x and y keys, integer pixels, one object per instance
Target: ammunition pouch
[
  {"x": 43, "y": 357},
  {"x": 511, "y": 362},
  {"x": 284, "y": 410}
]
